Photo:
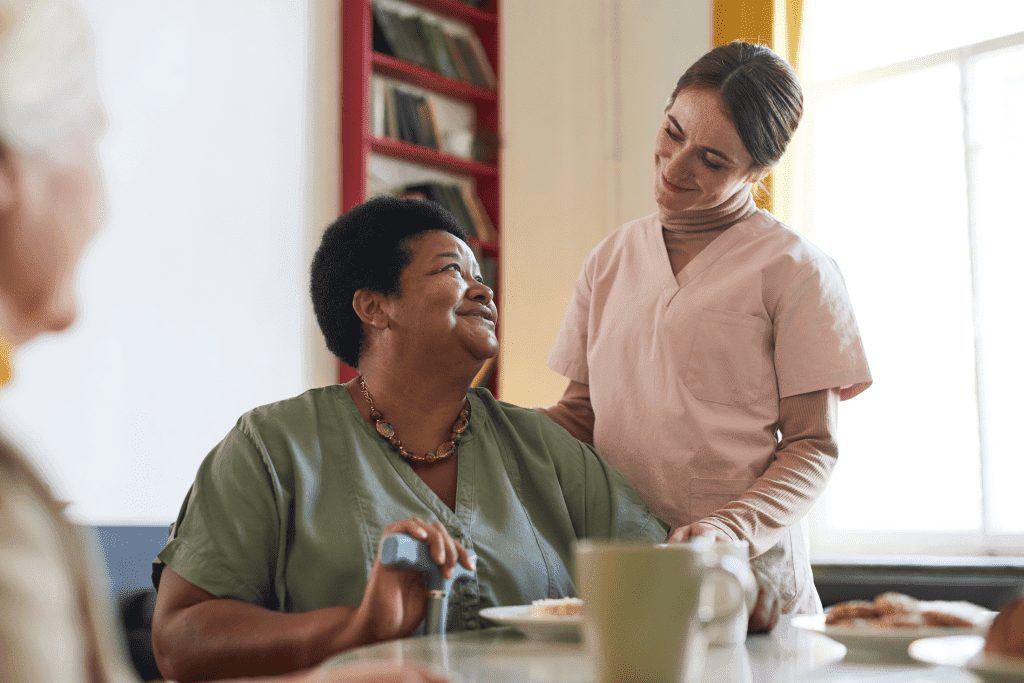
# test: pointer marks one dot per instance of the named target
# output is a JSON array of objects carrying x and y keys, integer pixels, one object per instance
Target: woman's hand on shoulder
[
  {"x": 394, "y": 602},
  {"x": 685, "y": 533}
]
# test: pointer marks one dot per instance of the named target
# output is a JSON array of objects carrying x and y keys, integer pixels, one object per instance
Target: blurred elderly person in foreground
[
  {"x": 273, "y": 560},
  {"x": 55, "y": 621}
]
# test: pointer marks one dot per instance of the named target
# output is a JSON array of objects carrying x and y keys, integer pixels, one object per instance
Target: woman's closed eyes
[{"x": 707, "y": 161}]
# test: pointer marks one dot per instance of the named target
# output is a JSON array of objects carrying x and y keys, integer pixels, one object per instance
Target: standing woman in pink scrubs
[{"x": 707, "y": 345}]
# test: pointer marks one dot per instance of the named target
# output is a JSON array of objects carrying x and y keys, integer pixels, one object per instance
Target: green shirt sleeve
[{"x": 227, "y": 536}]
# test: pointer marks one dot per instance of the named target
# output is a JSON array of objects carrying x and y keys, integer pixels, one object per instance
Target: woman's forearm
[
  {"x": 198, "y": 636},
  {"x": 222, "y": 638},
  {"x": 794, "y": 480}
]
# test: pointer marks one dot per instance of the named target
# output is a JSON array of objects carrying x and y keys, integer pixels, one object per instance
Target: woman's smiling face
[
  {"x": 444, "y": 307},
  {"x": 699, "y": 158}
]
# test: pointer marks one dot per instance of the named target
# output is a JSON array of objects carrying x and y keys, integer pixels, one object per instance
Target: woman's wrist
[
  {"x": 720, "y": 527},
  {"x": 336, "y": 629}
]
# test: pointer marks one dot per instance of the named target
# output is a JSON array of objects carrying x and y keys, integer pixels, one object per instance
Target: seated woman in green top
[{"x": 272, "y": 565}]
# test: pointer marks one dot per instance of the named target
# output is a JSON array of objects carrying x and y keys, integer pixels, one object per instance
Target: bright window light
[{"x": 912, "y": 172}]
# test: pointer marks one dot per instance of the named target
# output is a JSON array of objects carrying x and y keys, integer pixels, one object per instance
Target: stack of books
[
  {"x": 417, "y": 39},
  {"x": 403, "y": 115},
  {"x": 461, "y": 202}
]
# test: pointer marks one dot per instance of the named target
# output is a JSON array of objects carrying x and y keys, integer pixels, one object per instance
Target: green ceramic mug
[{"x": 648, "y": 608}]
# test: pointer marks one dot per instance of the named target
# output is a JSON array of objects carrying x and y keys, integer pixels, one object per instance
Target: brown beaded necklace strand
[{"x": 387, "y": 430}]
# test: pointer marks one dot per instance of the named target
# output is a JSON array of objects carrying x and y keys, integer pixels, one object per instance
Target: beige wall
[
  {"x": 584, "y": 84},
  {"x": 323, "y": 189}
]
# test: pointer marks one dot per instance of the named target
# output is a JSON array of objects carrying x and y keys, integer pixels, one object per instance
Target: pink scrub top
[{"x": 686, "y": 371}]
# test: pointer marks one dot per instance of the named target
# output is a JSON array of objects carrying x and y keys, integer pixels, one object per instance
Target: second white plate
[
  {"x": 540, "y": 628},
  {"x": 872, "y": 643},
  {"x": 965, "y": 652}
]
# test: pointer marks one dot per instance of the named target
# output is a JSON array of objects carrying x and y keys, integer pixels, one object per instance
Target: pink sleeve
[
  {"x": 568, "y": 355},
  {"x": 817, "y": 342},
  {"x": 794, "y": 480}
]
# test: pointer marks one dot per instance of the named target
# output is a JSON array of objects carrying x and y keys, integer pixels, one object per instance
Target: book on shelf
[
  {"x": 482, "y": 61},
  {"x": 378, "y": 108},
  {"x": 465, "y": 74},
  {"x": 455, "y": 203},
  {"x": 417, "y": 39},
  {"x": 436, "y": 191},
  {"x": 404, "y": 116},
  {"x": 407, "y": 117},
  {"x": 384, "y": 39},
  {"x": 442, "y": 194},
  {"x": 481, "y": 220},
  {"x": 410, "y": 24},
  {"x": 465, "y": 50},
  {"x": 389, "y": 35},
  {"x": 432, "y": 36},
  {"x": 429, "y": 119},
  {"x": 390, "y": 114},
  {"x": 460, "y": 201}
]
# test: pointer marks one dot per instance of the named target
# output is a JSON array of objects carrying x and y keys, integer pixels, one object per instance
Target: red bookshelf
[{"x": 359, "y": 63}]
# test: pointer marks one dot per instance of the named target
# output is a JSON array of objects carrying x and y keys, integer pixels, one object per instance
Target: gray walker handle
[{"x": 402, "y": 550}]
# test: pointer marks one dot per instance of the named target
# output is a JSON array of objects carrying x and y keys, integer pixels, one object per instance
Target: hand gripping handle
[{"x": 402, "y": 550}]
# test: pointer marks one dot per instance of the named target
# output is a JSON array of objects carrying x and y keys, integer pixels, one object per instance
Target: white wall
[
  {"x": 194, "y": 295},
  {"x": 585, "y": 83}
]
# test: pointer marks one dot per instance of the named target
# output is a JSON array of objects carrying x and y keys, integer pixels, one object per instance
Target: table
[{"x": 503, "y": 655}]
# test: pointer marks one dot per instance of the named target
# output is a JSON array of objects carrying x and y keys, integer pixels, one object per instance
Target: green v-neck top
[{"x": 288, "y": 510}]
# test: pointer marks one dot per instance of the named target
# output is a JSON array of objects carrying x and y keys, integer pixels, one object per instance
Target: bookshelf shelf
[
  {"x": 480, "y": 19},
  {"x": 430, "y": 157},
  {"x": 361, "y": 63},
  {"x": 414, "y": 74}
]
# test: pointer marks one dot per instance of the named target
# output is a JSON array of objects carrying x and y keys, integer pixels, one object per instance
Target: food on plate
[
  {"x": 896, "y": 610},
  {"x": 892, "y": 603},
  {"x": 557, "y": 607},
  {"x": 1005, "y": 636},
  {"x": 850, "y": 611}
]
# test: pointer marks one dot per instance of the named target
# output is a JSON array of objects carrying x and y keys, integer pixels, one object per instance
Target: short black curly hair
[{"x": 367, "y": 248}]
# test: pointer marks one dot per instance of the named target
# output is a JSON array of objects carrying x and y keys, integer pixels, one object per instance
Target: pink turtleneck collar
[{"x": 732, "y": 210}]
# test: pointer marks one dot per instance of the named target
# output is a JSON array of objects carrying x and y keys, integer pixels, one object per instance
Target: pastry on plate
[
  {"x": 898, "y": 611},
  {"x": 557, "y": 607}
]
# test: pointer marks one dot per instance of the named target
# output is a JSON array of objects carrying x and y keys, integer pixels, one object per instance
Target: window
[{"x": 912, "y": 170}]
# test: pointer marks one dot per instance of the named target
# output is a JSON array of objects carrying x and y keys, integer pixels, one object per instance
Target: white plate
[
  {"x": 540, "y": 628},
  {"x": 965, "y": 651},
  {"x": 884, "y": 644}
]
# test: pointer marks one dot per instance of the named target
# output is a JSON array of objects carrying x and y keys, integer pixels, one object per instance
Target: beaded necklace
[{"x": 387, "y": 430}]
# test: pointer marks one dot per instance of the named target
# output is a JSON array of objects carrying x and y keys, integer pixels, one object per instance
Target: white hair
[{"x": 49, "y": 99}]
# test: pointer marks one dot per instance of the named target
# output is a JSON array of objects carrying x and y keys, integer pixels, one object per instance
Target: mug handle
[{"x": 746, "y": 595}]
